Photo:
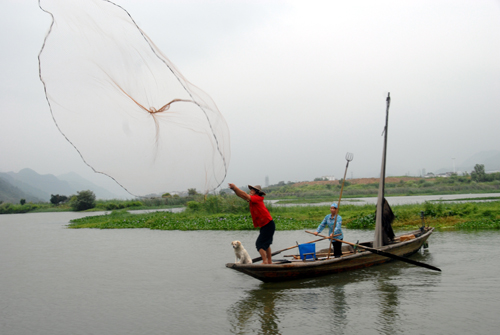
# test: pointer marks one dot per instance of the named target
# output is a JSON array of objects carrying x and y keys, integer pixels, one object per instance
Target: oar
[
  {"x": 386, "y": 254},
  {"x": 258, "y": 259}
]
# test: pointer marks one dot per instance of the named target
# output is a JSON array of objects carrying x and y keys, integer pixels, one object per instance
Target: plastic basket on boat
[{"x": 307, "y": 251}]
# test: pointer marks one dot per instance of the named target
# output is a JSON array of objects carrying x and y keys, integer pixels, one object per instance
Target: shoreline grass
[
  {"x": 7, "y": 208},
  {"x": 297, "y": 193},
  {"x": 442, "y": 216}
]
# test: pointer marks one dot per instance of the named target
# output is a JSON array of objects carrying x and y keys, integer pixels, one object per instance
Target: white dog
[{"x": 241, "y": 254}]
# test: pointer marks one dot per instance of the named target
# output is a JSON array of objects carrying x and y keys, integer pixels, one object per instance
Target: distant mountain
[
  {"x": 79, "y": 183},
  {"x": 12, "y": 194},
  {"x": 490, "y": 159},
  {"x": 32, "y": 186},
  {"x": 41, "y": 186}
]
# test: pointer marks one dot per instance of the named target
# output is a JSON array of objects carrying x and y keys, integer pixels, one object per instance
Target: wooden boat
[
  {"x": 384, "y": 247},
  {"x": 350, "y": 260}
]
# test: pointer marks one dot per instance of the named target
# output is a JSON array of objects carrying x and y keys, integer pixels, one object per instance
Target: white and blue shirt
[{"x": 328, "y": 220}]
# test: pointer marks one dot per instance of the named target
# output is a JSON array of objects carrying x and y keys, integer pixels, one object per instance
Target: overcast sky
[{"x": 300, "y": 83}]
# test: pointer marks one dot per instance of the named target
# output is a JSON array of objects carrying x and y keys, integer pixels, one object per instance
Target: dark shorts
[{"x": 265, "y": 238}]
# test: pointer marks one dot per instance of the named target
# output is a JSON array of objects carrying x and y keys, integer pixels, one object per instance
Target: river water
[
  {"x": 405, "y": 200},
  {"x": 55, "y": 280}
]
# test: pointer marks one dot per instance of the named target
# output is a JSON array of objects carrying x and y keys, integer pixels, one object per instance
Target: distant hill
[
  {"x": 34, "y": 187},
  {"x": 490, "y": 159},
  {"x": 12, "y": 194},
  {"x": 79, "y": 183},
  {"x": 41, "y": 186}
]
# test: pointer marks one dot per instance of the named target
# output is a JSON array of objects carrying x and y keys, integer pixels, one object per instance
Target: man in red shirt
[{"x": 261, "y": 218}]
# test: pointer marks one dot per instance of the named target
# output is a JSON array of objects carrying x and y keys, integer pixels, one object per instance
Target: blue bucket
[{"x": 307, "y": 251}]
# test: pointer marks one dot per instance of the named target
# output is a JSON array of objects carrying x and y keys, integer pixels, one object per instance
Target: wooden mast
[{"x": 378, "y": 239}]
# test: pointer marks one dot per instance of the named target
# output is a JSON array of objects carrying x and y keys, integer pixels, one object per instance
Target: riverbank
[
  {"x": 307, "y": 192},
  {"x": 441, "y": 215}
]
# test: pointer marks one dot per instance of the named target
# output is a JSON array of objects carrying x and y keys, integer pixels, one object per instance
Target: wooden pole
[{"x": 349, "y": 158}]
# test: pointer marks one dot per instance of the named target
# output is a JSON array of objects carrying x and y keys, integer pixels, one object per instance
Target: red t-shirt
[{"x": 260, "y": 214}]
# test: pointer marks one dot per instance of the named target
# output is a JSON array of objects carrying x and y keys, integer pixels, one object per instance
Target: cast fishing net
[{"x": 124, "y": 106}]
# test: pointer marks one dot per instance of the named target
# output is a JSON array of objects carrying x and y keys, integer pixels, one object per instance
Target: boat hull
[{"x": 309, "y": 269}]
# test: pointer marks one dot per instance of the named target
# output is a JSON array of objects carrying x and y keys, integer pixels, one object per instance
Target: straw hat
[{"x": 257, "y": 188}]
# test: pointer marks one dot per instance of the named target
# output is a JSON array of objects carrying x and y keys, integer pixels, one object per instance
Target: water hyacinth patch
[
  {"x": 183, "y": 221},
  {"x": 479, "y": 225},
  {"x": 484, "y": 215}
]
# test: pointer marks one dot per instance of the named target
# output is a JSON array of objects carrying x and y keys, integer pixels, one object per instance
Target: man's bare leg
[
  {"x": 263, "y": 254},
  {"x": 269, "y": 256}
]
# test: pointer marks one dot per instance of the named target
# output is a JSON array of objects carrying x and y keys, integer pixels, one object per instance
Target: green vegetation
[
  {"x": 479, "y": 174},
  {"x": 308, "y": 192},
  {"x": 61, "y": 203},
  {"x": 227, "y": 212},
  {"x": 100, "y": 205},
  {"x": 458, "y": 216},
  {"x": 83, "y": 200},
  {"x": 287, "y": 193},
  {"x": 8, "y": 208},
  {"x": 58, "y": 199}
]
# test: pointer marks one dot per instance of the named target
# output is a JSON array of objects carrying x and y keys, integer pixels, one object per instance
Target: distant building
[
  {"x": 445, "y": 175},
  {"x": 329, "y": 178}
]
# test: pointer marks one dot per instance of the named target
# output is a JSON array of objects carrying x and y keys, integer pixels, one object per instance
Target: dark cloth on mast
[{"x": 387, "y": 218}]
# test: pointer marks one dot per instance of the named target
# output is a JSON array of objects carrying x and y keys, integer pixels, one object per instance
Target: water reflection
[
  {"x": 370, "y": 300},
  {"x": 262, "y": 310},
  {"x": 339, "y": 308},
  {"x": 388, "y": 304},
  {"x": 256, "y": 312}
]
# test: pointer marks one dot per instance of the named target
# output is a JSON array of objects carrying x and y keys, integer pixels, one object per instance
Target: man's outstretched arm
[{"x": 243, "y": 195}]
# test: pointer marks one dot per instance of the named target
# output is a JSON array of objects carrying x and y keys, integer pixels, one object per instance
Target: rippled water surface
[{"x": 55, "y": 280}]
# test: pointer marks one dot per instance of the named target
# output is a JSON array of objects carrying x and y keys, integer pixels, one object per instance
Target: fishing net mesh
[{"x": 124, "y": 106}]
